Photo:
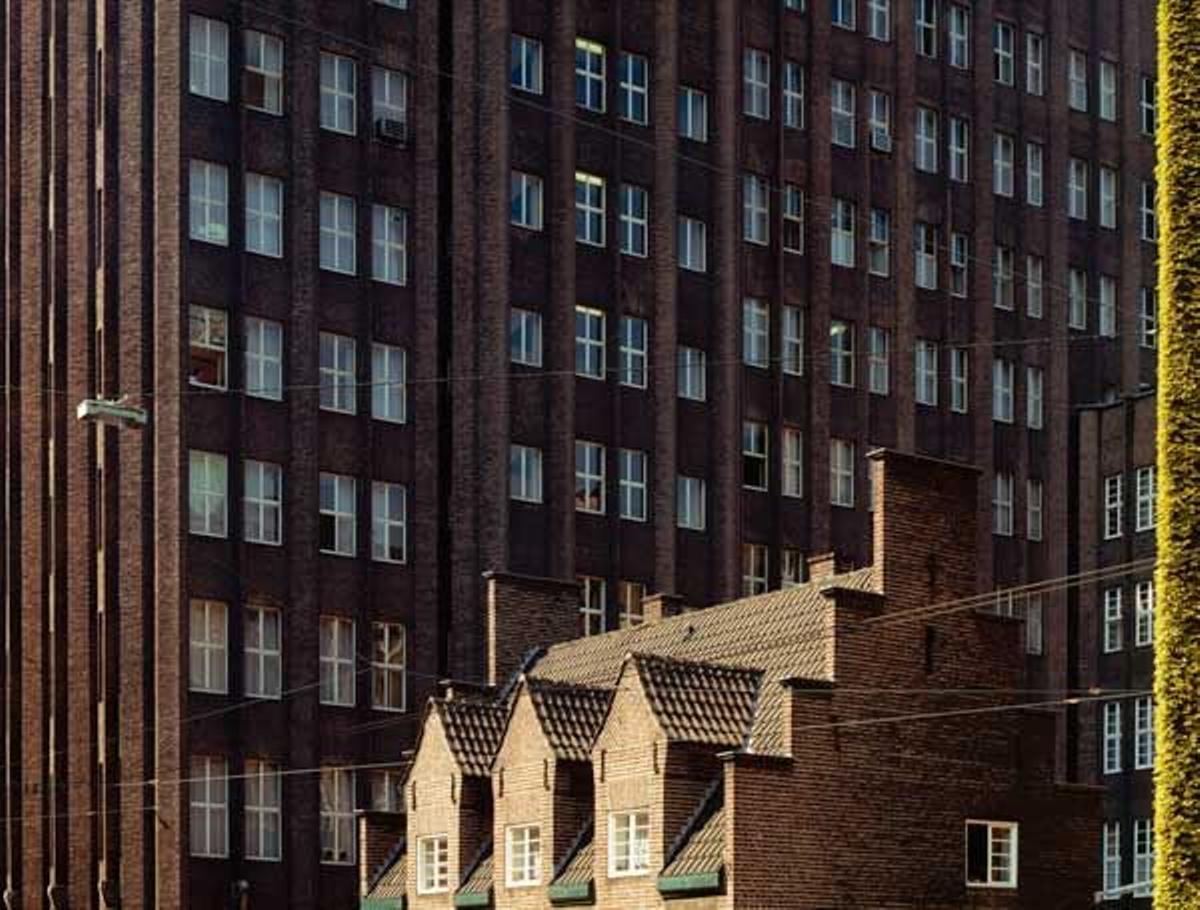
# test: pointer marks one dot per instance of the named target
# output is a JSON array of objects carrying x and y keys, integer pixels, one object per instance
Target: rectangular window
[
  {"x": 1114, "y": 621},
  {"x": 879, "y": 123},
  {"x": 628, "y": 843},
  {"x": 1035, "y": 68},
  {"x": 263, "y": 503},
  {"x": 632, "y": 354},
  {"x": 960, "y": 149},
  {"x": 878, "y": 361},
  {"x": 208, "y": 478},
  {"x": 433, "y": 864},
  {"x": 208, "y": 346},
  {"x": 756, "y": 329},
  {"x": 1149, "y": 215},
  {"x": 1144, "y": 613},
  {"x": 263, "y": 651},
  {"x": 1077, "y": 191},
  {"x": 879, "y": 19},
  {"x": 630, "y": 597},
  {"x": 209, "y": 647},
  {"x": 264, "y": 358},
  {"x": 1077, "y": 96},
  {"x": 926, "y": 26},
  {"x": 693, "y": 114},
  {"x": 1002, "y": 277},
  {"x": 336, "y": 661},
  {"x": 841, "y": 13},
  {"x": 1108, "y": 90},
  {"x": 1035, "y": 397},
  {"x": 793, "y": 95},
  {"x": 337, "y": 371},
  {"x": 791, "y": 568},
  {"x": 338, "y": 514},
  {"x": 1107, "y": 307},
  {"x": 1076, "y": 299},
  {"x": 339, "y": 90},
  {"x": 1143, "y": 733},
  {"x": 1035, "y": 188},
  {"x": 632, "y": 479},
  {"x": 925, "y": 259},
  {"x": 208, "y": 58},
  {"x": 589, "y": 477},
  {"x": 593, "y": 605},
  {"x": 525, "y": 64},
  {"x": 589, "y": 343},
  {"x": 992, "y": 854},
  {"x": 208, "y": 202},
  {"x": 1033, "y": 509},
  {"x": 1002, "y": 390},
  {"x": 526, "y": 201},
  {"x": 525, "y": 337},
  {"x": 793, "y": 218},
  {"x": 1002, "y": 505},
  {"x": 1147, "y": 318},
  {"x": 337, "y": 816},
  {"x": 754, "y": 569},
  {"x": 842, "y": 105},
  {"x": 756, "y": 84},
  {"x": 1143, "y": 856},
  {"x": 879, "y": 243},
  {"x": 791, "y": 346},
  {"x": 959, "y": 28},
  {"x": 389, "y": 522},
  {"x": 1114, "y": 506},
  {"x": 756, "y": 210},
  {"x": 689, "y": 503},
  {"x": 1034, "y": 267},
  {"x": 1112, "y": 737},
  {"x": 589, "y": 209},
  {"x": 691, "y": 375},
  {"x": 589, "y": 75},
  {"x": 1148, "y": 105},
  {"x": 841, "y": 353},
  {"x": 841, "y": 473},
  {"x": 927, "y": 373},
  {"x": 389, "y": 244},
  {"x": 1144, "y": 519},
  {"x": 754, "y": 455},
  {"x": 1034, "y": 625},
  {"x": 1002, "y": 165},
  {"x": 1111, "y": 847},
  {"x": 793, "y": 462},
  {"x": 523, "y": 856},
  {"x": 264, "y": 797},
  {"x": 208, "y": 804},
  {"x": 959, "y": 257},
  {"x": 388, "y": 681},
  {"x": 634, "y": 219},
  {"x": 339, "y": 233},
  {"x": 960, "y": 365},
  {"x": 389, "y": 104},
  {"x": 925, "y": 148},
  {"x": 525, "y": 473},
  {"x": 841, "y": 237},
  {"x": 1003, "y": 52},
  {"x": 264, "y": 215},
  {"x": 693, "y": 244},
  {"x": 633, "y": 88},
  {"x": 389, "y": 365}
]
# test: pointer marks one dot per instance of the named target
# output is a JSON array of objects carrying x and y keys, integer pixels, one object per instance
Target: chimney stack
[
  {"x": 659, "y": 606},
  {"x": 526, "y": 612}
]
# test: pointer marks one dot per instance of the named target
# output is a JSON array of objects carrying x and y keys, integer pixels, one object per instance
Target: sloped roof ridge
[{"x": 649, "y": 657}]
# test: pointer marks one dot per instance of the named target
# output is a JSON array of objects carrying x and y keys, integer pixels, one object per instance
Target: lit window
[
  {"x": 878, "y": 360},
  {"x": 992, "y": 854},
  {"x": 525, "y": 337},
  {"x": 339, "y": 234},
  {"x": 1002, "y": 505},
  {"x": 388, "y": 368},
  {"x": 693, "y": 244},
  {"x": 842, "y": 106},
  {"x": 208, "y": 53},
  {"x": 525, "y": 473},
  {"x": 633, "y": 91},
  {"x": 589, "y": 209},
  {"x": 523, "y": 853},
  {"x": 1077, "y": 96},
  {"x": 433, "y": 864},
  {"x": 208, "y": 202},
  {"x": 264, "y": 814},
  {"x": 841, "y": 353},
  {"x": 208, "y": 344},
  {"x": 589, "y": 343},
  {"x": 339, "y": 78},
  {"x": 262, "y": 646},
  {"x": 631, "y": 482},
  {"x": 208, "y": 803},
  {"x": 754, "y": 569},
  {"x": 756, "y": 210},
  {"x": 389, "y": 522},
  {"x": 632, "y": 368},
  {"x": 841, "y": 237},
  {"x": 927, "y": 373},
  {"x": 1003, "y": 40},
  {"x": 693, "y": 114},
  {"x": 1114, "y": 506},
  {"x": 791, "y": 348},
  {"x": 338, "y": 514},
  {"x": 208, "y": 647},
  {"x": 593, "y": 605},
  {"x": 756, "y": 327},
  {"x": 208, "y": 477},
  {"x": 388, "y": 689},
  {"x": 589, "y": 477},
  {"x": 841, "y": 473},
  {"x": 336, "y": 660},
  {"x": 634, "y": 219},
  {"x": 589, "y": 75},
  {"x": 337, "y": 369},
  {"x": 756, "y": 84},
  {"x": 754, "y": 455},
  {"x": 389, "y": 244},
  {"x": 526, "y": 201},
  {"x": 337, "y": 816},
  {"x": 689, "y": 503},
  {"x": 526, "y": 64},
  {"x": 1144, "y": 520},
  {"x": 1002, "y": 390},
  {"x": 262, "y": 504},
  {"x": 691, "y": 374}
]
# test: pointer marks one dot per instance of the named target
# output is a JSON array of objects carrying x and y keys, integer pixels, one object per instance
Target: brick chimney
[
  {"x": 378, "y": 835},
  {"x": 659, "y": 606},
  {"x": 825, "y": 565},
  {"x": 526, "y": 612}
]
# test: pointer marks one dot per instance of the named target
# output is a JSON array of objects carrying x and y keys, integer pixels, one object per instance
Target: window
[
  {"x": 1144, "y": 613},
  {"x": 959, "y": 28},
  {"x": 1077, "y": 299},
  {"x": 841, "y": 473},
  {"x": 634, "y": 87},
  {"x": 1149, "y": 216},
  {"x": 1002, "y": 277},
  {"x": 1143, "y": 856},
  {"x": 263, "y": 503},
  {"x": 388, "y": 394},
  {"x": 925, "y": 258},
  {"x": 1147, "y": 318},
  {"x": 634, "y": 219},
  {"x": 631, "y": 482},
  {"x": 1002, "y": 390},
  {"x": 433, "y": 864},
  {"x": 389, "y": 244},
  {"x": 1033, "y": 509},
  {"x": 1035, "y": 397},
  {"x": 879, "y": 243},
  {"x": 1034, "y": 267},
  {"x": 1144, "y": 520},
  {"x": 526, "y": 201},
  {"x": 208, "y": 345},
  {"x": 756, "y": 327},
  {"x": 927, "y": 373},
  {"x": 526, "y": 64},
  {"x": 262, "y": 646},
  {"x": 389, "y": 104},
  {"x": 337, "y": 368},
  {"x": 1035, "y": 78},
  {"x": 264, "y": 815},
  {"x": 756, "y": 210},
  {"x": 589, "y": 477},
  {"x": 1034, "y": 179},
  {"x": 693, "y": 114},
  {"x": 589, "y": 209},
  {"x": 338, "y": 514},
  {"x": 793, "y": 95},
  {"x": 791, "y": 568},
  {"x": 593, "y": 607},
  {"x": 793, "y": 219},
  {"x": 337, "y": 661},
  {"x": 879, "y": 123},
  {"x": 1143, "y": 733},
  {"x": 589, "y": 75},
  {"x": 264, "y": 215},
  {"x": 992, "y": 854},
  {"x": 791, "y": 348},
  {"x": 337, "y": 816},
  {"x": 208, "y": 58},
  {"x": 589, "y": 343},
  {"x": 207, "y": 493},
  {"x": 208, "y": 202},
  {"x": 960, "y": 149},
  {"x": 926, "y": 140},
  {"x": 960, "y": 366},
  {"x": 628, "y": 843},
  {"x": 525, "y": 473},
  {"x": 1111, "y": 847},
  {"x": 389, "y": 509},
  {"x": 689, "y": 503},
  {"x": 1034, "y": 625},
  {"x": 1003, "y": 41},
  {"x": 841, "y": 13},
  {"x": 1148, "y": 105},
  {"x": 1002, "y": 165},
  {"x": 264, "y": 358},
  {"x": 1113, "y": 621},
  {"x": 632, "y": 612},
  {"x": 525, "y": 337},
  {"x": 754, "y": 455},
  {"x": 1077, "y": 180},
  {"x": 793, "y": 462},
  {"x": 959, "y": 256},
  {"x": 208, "y": 798},
  {"x": 1114, "y": 506},
  {"x": 926, "y": 27},
  {"x": 841, "y": 353},
  {"x": 209, "y": 641},
  {"x": 339, "y": 77},
  {"x": 693, "y": 244},
  {"x": 841, "y": 237},
  {"x": 1077, "y": 96},
  {"x": 842, "y": 104},
  {"x": 1002, "y": 505},
  {"x": 756, "y": 84},
  {"x": 523, "y": 856},
  {"x": 878, "y": 360},
  {"x": 338, "y": 233},
  {"x": 632, "y": 369},
  {"x": 879, "y": 19},
  {"x": 1112, "y": 737},
  {"x": 1107, "y": 307},
  {"x": 1108, "y": 197},
  {"x": 1108, "y": 90},
  {"x": 691, "y": 373},
  {"x": 388, "y": 692},
  {"x": 754, "y": 569}
]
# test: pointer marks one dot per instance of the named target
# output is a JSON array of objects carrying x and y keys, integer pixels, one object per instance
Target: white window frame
[
  {"x": 1144, "y": 613},
  {"x": 526, "y": 199},
  {"x": 1106, "y": 307},
  {"x": 264, "y": 358},
  {"x": 879, "y": 120},
  {"x": 842, "y": 230},
  {"x": 522, "y": 856},
  {"x": 842, "y": 113},
  {"x": 389, "y": 382},
  {"x": 925, "y": 255},
  {"x": 755, "y": 569},
  {"x": 264, "y": 215},
  {"x": 842, "y": 14},
  {"x": 1003, "y": 153},
  {"x": 1143, "y": 732},
  {"x": 793, "y": 95},
  {"x": 633, "y": 93},
  {"x": 208, "y": 801},
  {"x": 208, "y": 341},
  {"x": 1002, "y": 504},
  {"x": 841, "y": 353},
  {"x": 1034, "y": 625},
  {"x": 593, "y": 604},
  {"x": 208, "y": 646},
  {"x": 590, "y": 327},
  {"x": 1077, "y": 189},
  {"x": 958, "y": 29},
  {"x": 841, "y": 473},
  {"x": 1108, "y": 197},
  {"x": 879, "y": 20},
  {"x": 1003, "y": 390},
  {"x": 337, "y": 370},
  {"x": 389, "y": 244},
  {"x": 1004, "y": 53},
  {"x": 1035, "y": 66},
  {"x": 959, "y": 162},
  {"x": 792, "y": 460},
  {"x": 690, "y": 504},
  {"x": 1108, "y": 91},
  {"x": 590, "y": 209},
  {"x": 336, "y": 663},
  {"x": 925, "y": 28},
  {"x": 433, "y": 864},
  {"x": 590, "y": 468},
  {"x": 792, "y": 237},
  {"x": 791, "y": 341},
  {"x": 993, "y": 829},
  {"x": 1035, "y": 397},
  {"x": 339, "y": 233},
  {"x": 879, "y": 243},
  {"x": 1077, "y": 80},
  {"x": 1114, "y": 506},
  {"x": 756, "y": 333},
  {"x": 693, "y": 114},
  {"x": 1114, "y": 621},
  {"x": 208, "y": 58},
  {"x": 692, "y": 373},
  {"x": 756, "y": 84},
  {"x": 208, "y": 493},
  {"x": 756, "y": 210},
  {"x": 337, "y": 817},
  {"x": 590, "y": 75},
  {"x": 1149, "y": 219},
  {"x": 1147, "y": 318},
  {"x": 263, "y": 811},
  {"x": 1003, "y": 283},
  {"x": 878, "y": 360},
  {"x": 389, "y": 96},
  {"x": 959, "y": 258},
  {"x": 389, "y": 667},
  {"x": 633, "y": 478},
  {"x": 389, "y": 522},
  {"x": 526, "y": 70},
  {"x": 525, "y": 473},
  {"x": 1148, "y": 105},
  {"x": 632, "y": 352},
  {"x": 1111, "y": 737},
  {"x": 634, "y": 220},
  {"x": 1145, "y": 486},
  {"x": 926, "y": 375},
  {"x": 1035, "y": 269},
  {"x": 525, "y": 337},
  {"x": 339, "y": 94},
  {"x": 342, "y": 508},
  {"x": 629, "y": 843},
  {"x": 960, "y": 372},
  {"x": 262, "y": 648},
  {"x": 208, "y": 202},
  {"x": 1076, "y": 299},
  {"x": 1110, "y": 851},
  {"x": 756, "y": 454},
  {"x": 1035, "y": 181},
  {"x": 693, "y": 244},
  {"x": 262, "y": 512},
  {"x": 1143, "y": 856}
]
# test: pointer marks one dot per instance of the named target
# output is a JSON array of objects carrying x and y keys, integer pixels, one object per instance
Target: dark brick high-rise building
[{"x": 418, "y": 289}]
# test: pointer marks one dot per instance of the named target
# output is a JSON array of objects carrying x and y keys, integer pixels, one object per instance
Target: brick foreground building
[
  {"x": 750, "y": 755},
  {"x": 417, "y": 290}
]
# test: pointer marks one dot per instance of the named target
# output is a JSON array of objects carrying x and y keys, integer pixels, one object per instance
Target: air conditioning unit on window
[{"x": 391, "y": 130}]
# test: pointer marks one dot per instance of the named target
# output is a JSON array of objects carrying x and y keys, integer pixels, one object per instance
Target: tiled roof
[
  {"x": 473, "y": 730},
  {"x": 390, "y": 881},
  {"x": 570, "y": 715},
  {"x": 699, "y": 702},
  {"x": 479, "y": 877},
  {"x": 703, "y": 841},
  {"x": 576, "y": 868},
  {"x": 783, "y": 633}
]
